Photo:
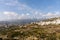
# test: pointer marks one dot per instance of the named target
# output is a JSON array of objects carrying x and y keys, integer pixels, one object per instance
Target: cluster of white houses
[{"x": 57, "y": 21}]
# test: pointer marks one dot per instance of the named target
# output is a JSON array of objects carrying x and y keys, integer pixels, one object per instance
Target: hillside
[
  {"x": 55, "y": 21},
  {"x": 32, "y": 31}
]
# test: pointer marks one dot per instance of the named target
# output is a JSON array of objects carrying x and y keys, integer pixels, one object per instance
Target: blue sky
[
  {"x": 29, "y": 9},
  {"x": 43, "y": 5}
]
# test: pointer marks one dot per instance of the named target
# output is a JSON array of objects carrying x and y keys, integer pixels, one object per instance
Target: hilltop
[{"x": 55, "y": 21}]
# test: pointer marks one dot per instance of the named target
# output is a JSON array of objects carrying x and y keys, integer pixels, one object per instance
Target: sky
[{"x": 29, "y": 9}]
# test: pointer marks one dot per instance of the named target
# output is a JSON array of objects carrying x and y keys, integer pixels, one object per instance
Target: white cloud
[
  {"x": 27, "y": 14},
  {"x": 12, "y": 3},
  {"x": 51, "y": 15},
  {"x": 10, "y": 13},
  {"x": 9, "y": 3},
  {"x": 13, "y": 15}
]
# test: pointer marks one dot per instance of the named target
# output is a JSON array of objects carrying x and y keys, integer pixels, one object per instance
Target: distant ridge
[{"x": 53, "y": 21}]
